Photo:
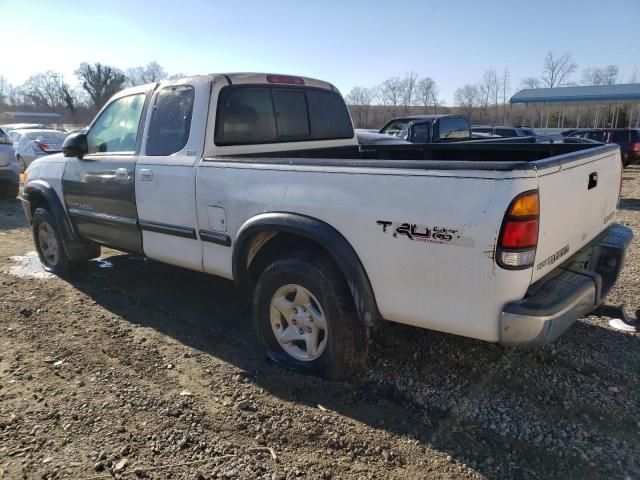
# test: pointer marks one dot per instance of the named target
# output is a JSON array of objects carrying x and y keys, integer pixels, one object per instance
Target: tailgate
[{"x": 578, "y": 200}]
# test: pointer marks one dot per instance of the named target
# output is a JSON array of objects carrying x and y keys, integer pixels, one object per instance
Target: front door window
[{"x": 116, "y": 130}]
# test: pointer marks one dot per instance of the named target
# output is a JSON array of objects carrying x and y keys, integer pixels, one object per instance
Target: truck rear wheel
[{"x": 305, "y": 317}]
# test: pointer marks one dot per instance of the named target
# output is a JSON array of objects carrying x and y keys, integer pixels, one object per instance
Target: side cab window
[
  {"x": 116, "y": 130},
  {"x": 170, "y": 123}
]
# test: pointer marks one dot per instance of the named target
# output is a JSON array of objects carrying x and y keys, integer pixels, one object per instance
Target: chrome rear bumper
[{"x": 553, "y": 303}]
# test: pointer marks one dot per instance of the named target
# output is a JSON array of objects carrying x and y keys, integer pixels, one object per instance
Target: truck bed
[{"x": 458, "y": 156}]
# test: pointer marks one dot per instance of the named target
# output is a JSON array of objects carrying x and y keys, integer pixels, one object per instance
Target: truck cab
[{"x": 429, "y": 128}]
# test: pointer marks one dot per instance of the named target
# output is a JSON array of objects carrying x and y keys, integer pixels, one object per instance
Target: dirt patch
[{"x": 144, "y": 370}]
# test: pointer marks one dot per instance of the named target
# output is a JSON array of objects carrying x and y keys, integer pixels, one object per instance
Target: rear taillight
[
  {"x": 45, "y": 147},
  {"x": 635, "y": 147},
  {"x": 519, "y": 233}
]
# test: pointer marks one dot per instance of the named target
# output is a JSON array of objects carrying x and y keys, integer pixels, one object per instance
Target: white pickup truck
[{"x": 259, "y": 178}]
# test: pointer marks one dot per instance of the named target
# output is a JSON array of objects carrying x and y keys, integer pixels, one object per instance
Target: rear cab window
[
  {"x": 453, "y": 128},
  {"x": 249, "y": 115}
]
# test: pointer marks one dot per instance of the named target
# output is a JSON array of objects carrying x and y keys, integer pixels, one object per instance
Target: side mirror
[{"x": 75, "y": 145}]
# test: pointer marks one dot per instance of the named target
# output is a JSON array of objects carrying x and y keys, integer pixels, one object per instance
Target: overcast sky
[{"x": 345, "y": 42}]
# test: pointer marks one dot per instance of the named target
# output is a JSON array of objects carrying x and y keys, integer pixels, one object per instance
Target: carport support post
[{"x": 546, "y": 122}]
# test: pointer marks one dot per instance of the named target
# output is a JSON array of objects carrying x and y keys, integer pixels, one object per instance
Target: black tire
[
  {"x": 345, "y": 350},
  {"x": 60, "y": 263}
]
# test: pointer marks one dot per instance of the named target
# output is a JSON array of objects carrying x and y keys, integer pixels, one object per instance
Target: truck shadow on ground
[{"x": 436, "y": 389}]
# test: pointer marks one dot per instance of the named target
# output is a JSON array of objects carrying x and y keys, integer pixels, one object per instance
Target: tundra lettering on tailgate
[{"x": 553, "y": 258}]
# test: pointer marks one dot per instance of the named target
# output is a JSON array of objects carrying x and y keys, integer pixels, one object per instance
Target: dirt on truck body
[{"x": 125, "y": 370}]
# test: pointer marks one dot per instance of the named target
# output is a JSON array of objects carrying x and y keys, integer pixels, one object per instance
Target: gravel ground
[{"x": 133, "y": 369}]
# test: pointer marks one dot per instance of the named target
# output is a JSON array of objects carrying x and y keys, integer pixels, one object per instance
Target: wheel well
[
  {"x": 267, "y": 246},
  {"x": 37, "y": 200}
]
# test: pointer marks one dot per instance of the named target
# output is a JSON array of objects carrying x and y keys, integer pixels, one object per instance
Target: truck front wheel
[
  {"x": 49, "y": 242},
  {"x": 305, "y": 317}
]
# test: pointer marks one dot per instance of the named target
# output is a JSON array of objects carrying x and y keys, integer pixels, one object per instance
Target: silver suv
[{"x": 9, "y": 174}]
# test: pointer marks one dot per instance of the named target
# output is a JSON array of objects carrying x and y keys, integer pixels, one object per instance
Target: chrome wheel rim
[
  {"x": 298, "y": 322},
  {"x": 48, "y": 244}
]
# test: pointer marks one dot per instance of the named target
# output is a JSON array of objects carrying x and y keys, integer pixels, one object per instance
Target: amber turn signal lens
[{"x": 526, "y": 205}]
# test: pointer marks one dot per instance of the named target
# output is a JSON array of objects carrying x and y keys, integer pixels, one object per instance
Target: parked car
[
  {"x": 627, "y": 138},
  {"x": 76, "y": 130},
  {"x": 34, "y": 144},
  {"x": 368, "y": 137},
  {"x": 504, "y": 130},
  {"x": 260, "y": 179},
  {"x": 428, "y": 128},
  {"x": 7, "y": 127},
  {"x": 9, "y": 175}
]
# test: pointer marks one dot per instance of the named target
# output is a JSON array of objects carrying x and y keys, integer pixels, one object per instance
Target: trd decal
[
  {"x": 553, "y": 258},
  {"x": 424, "y": 233}
]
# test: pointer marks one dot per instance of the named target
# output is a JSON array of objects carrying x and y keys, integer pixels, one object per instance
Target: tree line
[
  {"x": 483, "y": 101},
  {"x": 50, "y": 91},
  {"x": 486, "y": 100}
]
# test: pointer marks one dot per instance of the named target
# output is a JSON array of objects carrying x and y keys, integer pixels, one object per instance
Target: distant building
[
  {"x": 602, "y": 105},
  {"x": 30, "y": 117}
]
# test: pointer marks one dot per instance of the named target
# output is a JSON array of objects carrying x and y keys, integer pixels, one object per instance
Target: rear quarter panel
[{"x": 447, "y": 285}]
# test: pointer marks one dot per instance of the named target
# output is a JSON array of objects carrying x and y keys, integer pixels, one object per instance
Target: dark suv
[{"x": 627, "y": 138}]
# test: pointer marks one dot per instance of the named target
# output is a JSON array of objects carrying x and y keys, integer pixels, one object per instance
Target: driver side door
[{"x": 99, "y": 188}]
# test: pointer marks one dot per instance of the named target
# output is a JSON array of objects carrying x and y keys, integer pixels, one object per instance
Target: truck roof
[
  {"x": 426, "y": 117},
  {"x": 247, "y": 78}
]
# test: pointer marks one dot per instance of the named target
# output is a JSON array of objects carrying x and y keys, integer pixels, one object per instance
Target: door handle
[
  {"x": 145, "y": 175},
  {"x": 122, "y": 174},
  {"x": 593, "y": 180}
]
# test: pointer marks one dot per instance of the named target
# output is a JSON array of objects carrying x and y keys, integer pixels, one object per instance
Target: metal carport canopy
[{"x": 595, "y": 93}]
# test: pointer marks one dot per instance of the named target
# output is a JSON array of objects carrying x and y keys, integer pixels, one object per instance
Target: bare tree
[
  {"x": 391, "y": 90},
  {"x": 427, "y": 92},
  {"x": 505, "y": 85},
  {"x": 176, "y": 76},
  {"x": 359, "y": 99},
  {"x": 408, "y": 89},
  {"x": 600, "y": 76},
  {"x": 488, "y": 90},
  {"x": 152, "y": 72},
  {"x": 531, "y": 82},
  {"x": 467, "y": 98},
  {"x": 5, "y": 86},
  {"x": 557, "y": 69},
  {"x": 100, "y": 82},
  {"x": 48, "y": 90}
]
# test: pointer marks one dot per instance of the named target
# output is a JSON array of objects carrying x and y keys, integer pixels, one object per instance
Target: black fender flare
[
  {"x": 36, "y": 189},
  {"x": 322, "y": 233}
]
